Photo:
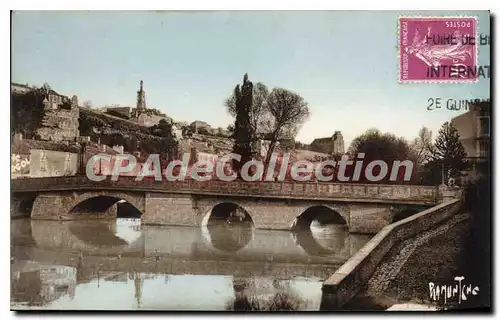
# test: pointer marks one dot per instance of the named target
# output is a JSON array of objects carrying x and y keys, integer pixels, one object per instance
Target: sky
[{"x": 344, "y": 64}]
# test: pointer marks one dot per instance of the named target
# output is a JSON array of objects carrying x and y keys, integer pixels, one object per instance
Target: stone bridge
[{"x": 364, "y": 208}]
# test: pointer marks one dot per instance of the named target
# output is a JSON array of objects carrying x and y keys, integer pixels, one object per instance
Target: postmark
[{"x": 437, "y": 49}]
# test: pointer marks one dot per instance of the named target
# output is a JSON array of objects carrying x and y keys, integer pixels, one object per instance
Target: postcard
[{"x": 250, "y": 160}]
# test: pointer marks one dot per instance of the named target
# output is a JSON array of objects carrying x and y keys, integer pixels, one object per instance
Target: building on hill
[
  {"x": 44, "y": 114},
  {"x": 141, "y": 100},
  {"x": 329, "y": 145},
  {"x": 141, "y": 114},
  {"x": 19, "y": 88},
  {"x": 119, "y": 110},
  {"x": 474, "y": 130},
  {"x": 61, "y": 118},
  {"x": 198, "y": 125}
]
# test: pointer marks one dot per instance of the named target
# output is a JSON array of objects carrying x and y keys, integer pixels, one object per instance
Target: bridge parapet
[{"x": 288, "y": 189}]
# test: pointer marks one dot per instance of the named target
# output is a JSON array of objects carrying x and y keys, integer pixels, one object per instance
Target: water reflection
[
  {"x": 123, "y": 265},
  {"x": 36, "y": 284},
  {"x": 227, "y": 238}
]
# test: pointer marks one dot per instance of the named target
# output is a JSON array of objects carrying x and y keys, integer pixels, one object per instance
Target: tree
[
  {"x": 381, "y": 146},
  {"x": 230, "y": 130},
  {"x": 449, "y": 151},
  {"x": 422, "y": 146},
  {"x": 242, "y": 127},
  {"x": 258, "y": 112},
  {"x": 288, "y": 111},
  {"x": 162, "y": 129}
]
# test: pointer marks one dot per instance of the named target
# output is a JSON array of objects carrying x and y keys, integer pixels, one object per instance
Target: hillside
[{"x": 111, "y": 130}]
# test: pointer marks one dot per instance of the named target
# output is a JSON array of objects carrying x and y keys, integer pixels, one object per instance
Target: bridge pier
[{"x": 171, "y": 209}]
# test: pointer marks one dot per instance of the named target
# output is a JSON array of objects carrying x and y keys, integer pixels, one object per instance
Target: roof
[
  {"x": 53, "y": 92},
  {"x": 199, "y": 123},
  {"x": 321, "y": 140}
]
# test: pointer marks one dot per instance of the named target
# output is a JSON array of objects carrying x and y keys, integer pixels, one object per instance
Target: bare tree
[
  {"x": 288, "y": 111},
  {"x": 422, "y": 145}
]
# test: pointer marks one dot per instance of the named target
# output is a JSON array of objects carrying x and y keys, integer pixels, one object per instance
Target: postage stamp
[{"x": 437, "y": 49}]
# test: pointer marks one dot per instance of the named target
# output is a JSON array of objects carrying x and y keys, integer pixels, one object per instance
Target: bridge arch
[
  {"x": 323, "y": 214},
  {"x": 226, "y": 211},
  {"x": 103, "y": 201},
  {"x": 227, "y": 226}
]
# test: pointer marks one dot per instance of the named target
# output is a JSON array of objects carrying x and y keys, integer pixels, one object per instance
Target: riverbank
[{"x": 438, "y": 255}]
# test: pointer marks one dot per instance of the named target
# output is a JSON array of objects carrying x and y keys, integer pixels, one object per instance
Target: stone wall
[
  {"x": 59, "y": 125},
  {"x": 149, "y": 120},
  {"x": 348, "y": 280},
  {"x": 48, "y": 163},
  {"x": 20, "y": 165}
]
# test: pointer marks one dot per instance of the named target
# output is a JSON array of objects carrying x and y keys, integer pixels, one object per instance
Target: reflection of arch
[
  {"x": 103, "y": 201},
  {"x": 95, "y": 234},
  {"x": 228, "y": 238},
  {"x": 91, "y": 235},
  {"x": 322, "y": 214},
  {"x": 228, "y": 227},
  {"x": 338, "y": 237}
]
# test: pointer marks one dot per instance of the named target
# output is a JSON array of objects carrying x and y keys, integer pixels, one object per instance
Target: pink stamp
[{"x": 437, "y": 49}]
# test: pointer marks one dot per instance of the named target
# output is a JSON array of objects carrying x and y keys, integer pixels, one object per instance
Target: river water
[{"x": 121, "y": 265}]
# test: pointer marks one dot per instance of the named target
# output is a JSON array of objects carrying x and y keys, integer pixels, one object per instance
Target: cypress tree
[{"x": 242, "y": 128}]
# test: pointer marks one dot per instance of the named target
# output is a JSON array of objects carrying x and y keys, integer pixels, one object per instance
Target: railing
[{"x": 287, "y": 189}]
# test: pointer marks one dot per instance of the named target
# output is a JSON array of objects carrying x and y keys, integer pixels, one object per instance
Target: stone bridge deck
[{"x": 393, "y": 194}]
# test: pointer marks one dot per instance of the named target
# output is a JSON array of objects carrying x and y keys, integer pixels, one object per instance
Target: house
[
  {"x": 474, "y": 130},
  {"x": 198, "y": 124},
  {"x": 120, "y": 110},
  {"x": 329, "y": 145}
]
